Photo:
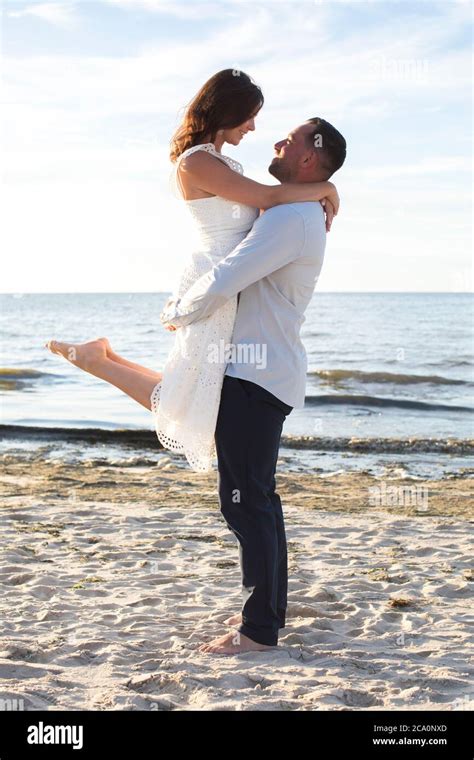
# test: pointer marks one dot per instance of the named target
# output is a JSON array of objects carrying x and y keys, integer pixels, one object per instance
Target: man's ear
[{"x": 310, "y": 160}]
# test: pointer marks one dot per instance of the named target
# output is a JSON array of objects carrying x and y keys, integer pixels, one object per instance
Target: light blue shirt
[{"x": 275, "y": 269}]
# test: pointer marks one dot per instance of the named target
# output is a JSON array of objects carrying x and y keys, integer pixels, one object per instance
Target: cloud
[
  {"x": 175, "y": 8},
  {"x": 61, "y": 14},
  {"x": 428, "y": 166}
]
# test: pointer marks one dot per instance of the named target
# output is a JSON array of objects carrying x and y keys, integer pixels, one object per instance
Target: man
[{"x": 274, "y": 270}]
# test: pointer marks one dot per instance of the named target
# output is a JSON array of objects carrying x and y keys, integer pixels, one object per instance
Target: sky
[{"x": 92, "y": 91}]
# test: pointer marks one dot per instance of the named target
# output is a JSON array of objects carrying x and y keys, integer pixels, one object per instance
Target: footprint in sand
[{"x": 354, "y": 698}]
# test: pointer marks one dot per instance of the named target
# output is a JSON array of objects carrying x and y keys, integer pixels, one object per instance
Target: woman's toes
[
  {"x": 56, "y": 347},
  {"x": 83, "y": 355}
]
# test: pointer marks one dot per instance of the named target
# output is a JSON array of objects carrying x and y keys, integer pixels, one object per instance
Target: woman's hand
[
  {"x": 168, "y": 304},
  {"x": 333, "y": 196},
  {"x": 329, "y": 212}
]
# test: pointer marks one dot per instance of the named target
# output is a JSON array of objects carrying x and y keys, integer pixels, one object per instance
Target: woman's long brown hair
[{"x": 225, "y": 101}]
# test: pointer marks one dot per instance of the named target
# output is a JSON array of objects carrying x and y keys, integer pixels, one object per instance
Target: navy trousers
[{"x": 248, "y": 433}]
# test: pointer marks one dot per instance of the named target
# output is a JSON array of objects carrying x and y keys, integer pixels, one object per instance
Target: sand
[{"x": 112, "y": 576}]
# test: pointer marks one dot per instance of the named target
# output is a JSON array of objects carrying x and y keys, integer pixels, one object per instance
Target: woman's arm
[
  {"x": 328, "y": 209},
  {"x": 213, "y": 176}
]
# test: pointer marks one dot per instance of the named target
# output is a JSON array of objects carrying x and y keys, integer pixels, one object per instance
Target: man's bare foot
[
  {"x": 233, "y": 642},
  {"x": 82, "y": 355},
  {"x": 234, "y": 619}
]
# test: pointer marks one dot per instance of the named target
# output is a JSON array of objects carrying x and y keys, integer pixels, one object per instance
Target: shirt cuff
[
  {"x": 176, "y": 314},
  {"x": 170, "y": 312}
]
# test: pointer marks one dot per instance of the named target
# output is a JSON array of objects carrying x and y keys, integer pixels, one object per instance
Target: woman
[{"x": 184, "y": 397}]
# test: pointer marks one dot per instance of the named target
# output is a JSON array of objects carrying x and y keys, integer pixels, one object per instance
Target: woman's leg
[
  {"x": 134, "y": 383},
  {"x": 126, "y": 363},
  {"x": 92, "y": 358}
]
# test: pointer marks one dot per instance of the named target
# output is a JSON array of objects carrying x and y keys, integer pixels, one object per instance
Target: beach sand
[{"x": 112, "y": 576}]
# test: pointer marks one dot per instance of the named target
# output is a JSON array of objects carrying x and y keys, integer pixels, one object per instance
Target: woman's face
[{"x": 236, "y": 134}]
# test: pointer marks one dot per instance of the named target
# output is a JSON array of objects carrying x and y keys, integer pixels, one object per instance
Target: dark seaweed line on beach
[
  {"x": 377, "y": 401},
  {"x": 148, "y": 439}
]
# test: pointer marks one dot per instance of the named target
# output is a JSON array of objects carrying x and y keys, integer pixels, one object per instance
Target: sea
[{"x": 390, "y": 381}]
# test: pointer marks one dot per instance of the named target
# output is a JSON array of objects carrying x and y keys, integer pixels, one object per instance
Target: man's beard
[{"x": 277, "y": 170}]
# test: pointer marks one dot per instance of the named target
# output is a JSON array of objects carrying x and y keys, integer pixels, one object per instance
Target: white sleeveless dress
[{"x": 185, "y": 403}]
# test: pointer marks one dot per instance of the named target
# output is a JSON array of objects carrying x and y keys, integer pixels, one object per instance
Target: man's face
[{"x": 290, "y": 154}]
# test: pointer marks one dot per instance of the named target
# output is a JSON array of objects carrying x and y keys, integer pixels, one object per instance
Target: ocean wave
[
  {"x": 146, "y": 439},
  {"x": 344, "y": 399},
  {"x": 452, "y": 363},
  {"x": 14, "y": 379},
  {"x": 337, "y": 375},
  {"x": 21, "y": 373}
]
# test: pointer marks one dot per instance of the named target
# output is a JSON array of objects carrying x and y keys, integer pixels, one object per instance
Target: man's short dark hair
[{"x": 329, "y": 142}]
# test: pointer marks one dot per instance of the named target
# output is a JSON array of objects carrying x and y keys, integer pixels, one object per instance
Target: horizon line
[{"x": 166, "y": 292}]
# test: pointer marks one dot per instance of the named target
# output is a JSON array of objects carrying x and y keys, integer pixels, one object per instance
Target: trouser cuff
[{"x": 271, "y": 639}]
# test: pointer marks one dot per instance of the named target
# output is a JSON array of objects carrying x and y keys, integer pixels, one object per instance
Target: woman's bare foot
[
  {"x": 82, "y": 355},
  {"x": 92, "y": 357},
  {"x": 233, "y": 642},
  {"x": 108, "y": 348},
  {"x": 234, "y": 619}
]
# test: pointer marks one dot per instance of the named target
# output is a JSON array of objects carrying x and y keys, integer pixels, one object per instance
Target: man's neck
[{"x": 305, "y": 179}]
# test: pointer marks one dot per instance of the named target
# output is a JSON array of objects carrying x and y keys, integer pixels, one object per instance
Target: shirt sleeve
[{"x": 276, "y": 238}]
